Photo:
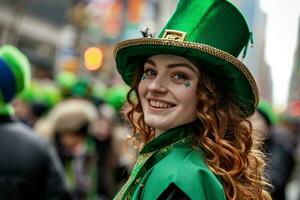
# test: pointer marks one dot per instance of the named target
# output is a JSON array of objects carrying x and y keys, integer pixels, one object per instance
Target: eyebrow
[{"x": 149, "y": 61}]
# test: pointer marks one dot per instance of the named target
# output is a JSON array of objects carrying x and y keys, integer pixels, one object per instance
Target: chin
[{"x": 157, "y": 124}]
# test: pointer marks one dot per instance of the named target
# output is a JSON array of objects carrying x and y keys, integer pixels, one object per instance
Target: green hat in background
[
  {"x": 14, "y": 76},
  {"x": 31, "y": 93},
  {"x": 66, "y": 81},
  {"x": 42, "y": 92},
  {"x": 82, "y": 88},
  {"x": 116, "y": 96},
  {"x": 211, "y": 32},
  {"x": 49, "y": 94},
  {"x": 98, "y": 90},
  {"x": 266, "y": 109}
]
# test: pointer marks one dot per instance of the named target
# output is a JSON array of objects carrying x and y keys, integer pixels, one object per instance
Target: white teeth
[{"x": 159, "y": 104}]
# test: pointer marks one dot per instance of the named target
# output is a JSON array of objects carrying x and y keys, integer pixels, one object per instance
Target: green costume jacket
[{"x": 170, "y": 159}]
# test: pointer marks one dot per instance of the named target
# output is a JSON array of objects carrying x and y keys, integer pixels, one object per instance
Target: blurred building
[
  {"x": 255, "y": 59},
  {"x": 294, "y": 93},
  {"x": 153, "y": 15},
  {"x": 55, "y": 33},
  {"x": 38, "y": 28}
]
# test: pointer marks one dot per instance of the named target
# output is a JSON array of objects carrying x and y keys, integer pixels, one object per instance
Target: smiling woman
[
  {"x": 188, "y": 105},
  {"x": 164, "y": 94}
]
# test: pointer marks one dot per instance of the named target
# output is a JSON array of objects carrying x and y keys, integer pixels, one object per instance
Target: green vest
[{"x": 170, "y": 158}]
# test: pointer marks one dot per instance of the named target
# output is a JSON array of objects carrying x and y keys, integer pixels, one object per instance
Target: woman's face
[{"x": 167, "y": 91}]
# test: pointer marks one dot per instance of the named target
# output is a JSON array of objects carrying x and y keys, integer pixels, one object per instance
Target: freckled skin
[{"x": 166, "y": 100}]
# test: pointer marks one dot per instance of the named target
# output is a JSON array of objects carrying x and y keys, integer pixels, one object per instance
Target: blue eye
[{"x": 180, "y": 76}]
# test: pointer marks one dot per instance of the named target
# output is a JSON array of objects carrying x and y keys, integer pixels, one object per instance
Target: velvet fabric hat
[
  {"x": 14, "y": 76},
  {"x": 211, "y": 32}
]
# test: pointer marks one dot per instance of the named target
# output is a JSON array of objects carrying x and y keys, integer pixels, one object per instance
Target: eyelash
[
  {"x": 149, "y": 72},
  {"x": 178, "y": 76}
]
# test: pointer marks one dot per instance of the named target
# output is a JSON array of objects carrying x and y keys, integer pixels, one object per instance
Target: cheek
[
  {"x": 142, "y": 88},
  {"x": 191, "y": 91},
  {"x": 187, "y": 96},
  {"x": 187, "y": 90},
  {"x": 142, "y": 91},
  {"x": 139, "y": 89}
]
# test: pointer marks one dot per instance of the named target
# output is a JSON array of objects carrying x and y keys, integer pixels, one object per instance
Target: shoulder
[
  {"x": 185, "y": 167},
  {"x": 28, "y": 142},
  {"x": 184, "y": 161}
]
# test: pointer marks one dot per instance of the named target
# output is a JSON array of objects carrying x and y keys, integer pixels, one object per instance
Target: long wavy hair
[{"x": 225, "y": 136}]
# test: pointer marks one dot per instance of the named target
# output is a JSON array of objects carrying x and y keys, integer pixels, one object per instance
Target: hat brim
[{"x": 226, "y": 69}]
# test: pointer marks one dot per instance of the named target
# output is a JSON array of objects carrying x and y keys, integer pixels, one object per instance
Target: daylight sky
[{"x": 281, "y": 41}]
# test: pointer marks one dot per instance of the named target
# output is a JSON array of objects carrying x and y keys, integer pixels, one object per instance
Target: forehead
[{"x": 169, "y": 59}]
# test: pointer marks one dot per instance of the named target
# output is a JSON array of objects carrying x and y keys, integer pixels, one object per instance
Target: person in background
[
  {"x": 34, "y": 103},
  {"x": 29, "y": 166},
  {"x": 280, "y": 145},
  {"x": 189, "y": 104},
  {"x": 70, "y": 123}
]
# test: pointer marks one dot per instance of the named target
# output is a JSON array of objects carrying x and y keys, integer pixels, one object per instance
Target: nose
[{"x": 157, "y": 85}]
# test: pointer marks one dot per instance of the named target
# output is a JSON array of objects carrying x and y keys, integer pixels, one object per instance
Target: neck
[
  {"x": 195, "y": 123},
  {"x": 158, "y": 132}
]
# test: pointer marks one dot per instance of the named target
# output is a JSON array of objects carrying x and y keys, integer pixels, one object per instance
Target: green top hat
[{"x": 211, "y": 32}]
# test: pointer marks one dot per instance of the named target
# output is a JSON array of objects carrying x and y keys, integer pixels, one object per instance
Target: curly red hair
[{"x": 226, "y": 138}]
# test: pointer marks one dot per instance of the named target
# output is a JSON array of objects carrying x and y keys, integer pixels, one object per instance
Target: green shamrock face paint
[
  {"x": 143, "y": 77},
  {"x": 188, "y": 84}
]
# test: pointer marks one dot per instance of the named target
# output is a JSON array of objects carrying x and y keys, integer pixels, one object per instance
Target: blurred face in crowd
[
  {"x": 102, "y": 128},
  {"x": 167, "y": 91},
  {"x": 24, "y": 112},
  {"x": 72, "y": 142}
]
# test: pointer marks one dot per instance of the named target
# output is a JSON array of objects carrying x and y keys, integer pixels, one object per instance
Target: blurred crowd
[
  {"x": 81, "y": 117},
  {"x": 278, "y": 136},
  {"x": 61, "y": 138}
]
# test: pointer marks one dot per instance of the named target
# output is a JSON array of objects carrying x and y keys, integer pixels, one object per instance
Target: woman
[{"x": 189, "y": 102}]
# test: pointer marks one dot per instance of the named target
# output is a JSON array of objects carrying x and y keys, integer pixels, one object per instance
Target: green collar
[
  {"x": 163, "y": 143},
  {"x": 169, "y": 137}
]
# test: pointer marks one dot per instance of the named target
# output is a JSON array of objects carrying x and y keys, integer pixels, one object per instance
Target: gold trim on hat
[
  {"x": 197, "y": 46},
  {"x": 174, "y": 35}
]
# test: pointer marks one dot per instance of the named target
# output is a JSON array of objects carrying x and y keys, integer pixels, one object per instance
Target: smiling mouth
[{"x": 160, "y": 105}]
